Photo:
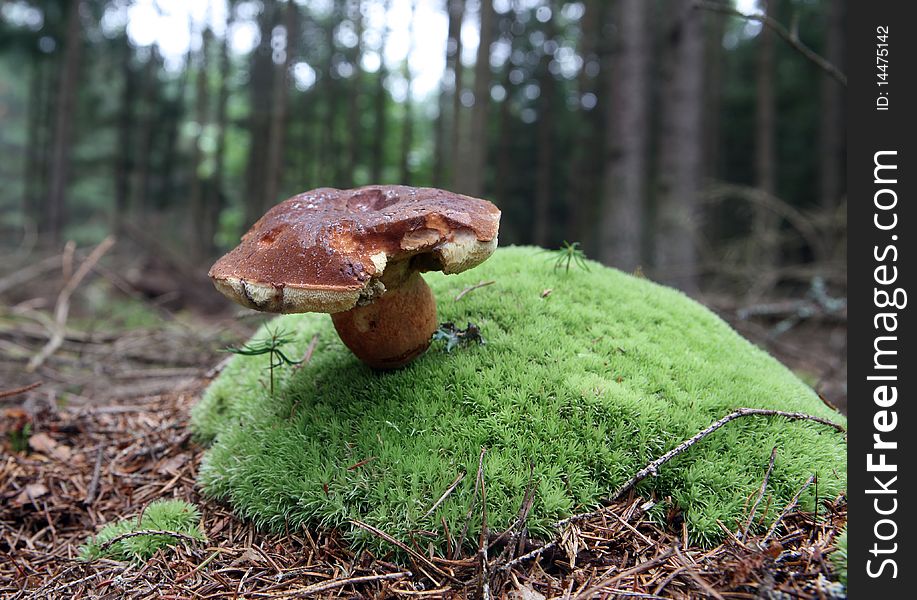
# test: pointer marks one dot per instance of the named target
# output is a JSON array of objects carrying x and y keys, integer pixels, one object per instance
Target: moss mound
[{"x": 585, "y": 376}]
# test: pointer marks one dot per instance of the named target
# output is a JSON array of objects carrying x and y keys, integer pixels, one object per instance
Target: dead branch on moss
[{"x": 653, "y": 467}]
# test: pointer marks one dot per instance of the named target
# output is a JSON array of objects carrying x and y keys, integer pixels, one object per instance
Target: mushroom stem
[{"x": 394, "y": 329}]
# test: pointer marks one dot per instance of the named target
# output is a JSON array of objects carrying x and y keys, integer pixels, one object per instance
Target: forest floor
[{"x": 105, "y": 434}]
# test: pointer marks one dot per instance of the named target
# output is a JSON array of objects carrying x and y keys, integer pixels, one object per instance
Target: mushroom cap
[{"x": 327, "y": 250}]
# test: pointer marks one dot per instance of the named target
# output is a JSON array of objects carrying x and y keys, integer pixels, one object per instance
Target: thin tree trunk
[
  {"x": 261, "y": 89},
  {"x": 504, "y": 163},
  {"x": 198, "y": 241},
  {"x": 124, "y": 155},
  {"x": 281, "y": 93},
  {"x": 215, "y": 192},
  {"x": 832, "y": 125},
  {"x": 680, "y": 149},
  {"x": 66, "y": 102},
  {"x": 177, "y": 113},
  {"x": 407, "y": 129},
  {"x": 144, "y": 156},
  {"x": 625, "y": 182},
  {"x": 379, "y": 104},
  {"x": 475, "y": 156},
  {"x": 587, "y": 163},
  {"x": 124, "y": 152},
  {"x": 765, "y": 250},
  {"x": 33, "y": 174},
  {"x": 355, "y": 131},
  {"x": 447, "y": 90},
  {"x": 458, "y": 142},
  {"x": 715, "y": 28},
  {"x": 544, "y": 170}
]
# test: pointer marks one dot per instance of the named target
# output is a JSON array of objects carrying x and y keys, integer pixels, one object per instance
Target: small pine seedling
[
  {"x": 172, "y": 516},
  {"x": 271, "y": 346},
  {"x": 567, "y": 255}
]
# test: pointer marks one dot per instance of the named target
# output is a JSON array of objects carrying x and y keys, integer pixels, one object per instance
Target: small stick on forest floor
[
  {"x": 19, "y": 390},
  {"x": 62, "y": 307},
  {"x": 786, "y": 510},
  {"x": 754, "y": 507},
  {"x": 472, "y": 288},
  {"x": 93, "y": 488},
  {"x": 445, "y": 495},
  {"x": 132, "y": 534},
  {"x": 332, "y": 584}
]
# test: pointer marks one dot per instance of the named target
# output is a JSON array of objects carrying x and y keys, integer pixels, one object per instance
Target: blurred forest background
[
  {"x": 682, "y": 139},
  {"x": 665, "y": 135}
]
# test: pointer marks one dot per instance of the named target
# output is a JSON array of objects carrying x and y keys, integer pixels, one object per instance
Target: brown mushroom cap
[{"x": 327, "y": 250}]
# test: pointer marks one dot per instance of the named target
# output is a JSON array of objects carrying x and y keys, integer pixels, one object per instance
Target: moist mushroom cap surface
[{"x": 325, "y": 250}]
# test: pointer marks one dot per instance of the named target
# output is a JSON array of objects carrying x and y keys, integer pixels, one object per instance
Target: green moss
[
  {"x": 586, "y": 384},
  {"x": 839, "y": 557},
  {"x": 163, "y": 515}
]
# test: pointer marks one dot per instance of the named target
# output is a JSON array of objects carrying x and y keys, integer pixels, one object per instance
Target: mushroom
[{"x": 358, "y": 254}]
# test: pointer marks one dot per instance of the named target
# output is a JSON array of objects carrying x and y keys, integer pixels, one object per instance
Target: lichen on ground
[{"x": 574, "y": 391}]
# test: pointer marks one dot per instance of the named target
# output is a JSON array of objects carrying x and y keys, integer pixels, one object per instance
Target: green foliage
[
  {"x": 163, "y": 515},
  {"x": 586, "y": 385}
]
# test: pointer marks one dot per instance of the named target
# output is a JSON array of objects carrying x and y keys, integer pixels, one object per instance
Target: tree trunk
[
  {"x": 66, "y": 103},
  {"x": 34, "y": 168},
  {"x": 215, "y": 191},
  {"x": 475, "y": 155},
  {"x": 583, "y": 202},
  {"x": 198, "y": 242},
  {"x": 354, "y": 120},
  {"x": 261, "y": 89},
  {"x": 458, "y": 135},
  {"x": 124, "y": 154},
  {"x": 407, "y": 128},
  {"x": 544, "y": 170},
  {"x": 625, "y": 182},
  {"x": 379, "y": 104},
  {"x": 764, "y": 250},
  {"x": 680, "y": 149},
  {"x": 715, "y": 29},
  {"x": 833, "y": 124},
  {"x": 447, "y": 90},
  {"x": 177, "y": 106},
  {"x": 145, "y": 133},
  {"x": 274, "y": 178}
]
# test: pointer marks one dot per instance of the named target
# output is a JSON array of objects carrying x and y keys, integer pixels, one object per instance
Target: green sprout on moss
[
  {"x": 567, "y": 255},
  {"x": 271, "y": 346},
  {"x": 161, "y": 524},
  {"x": 458, "y": 337}
]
